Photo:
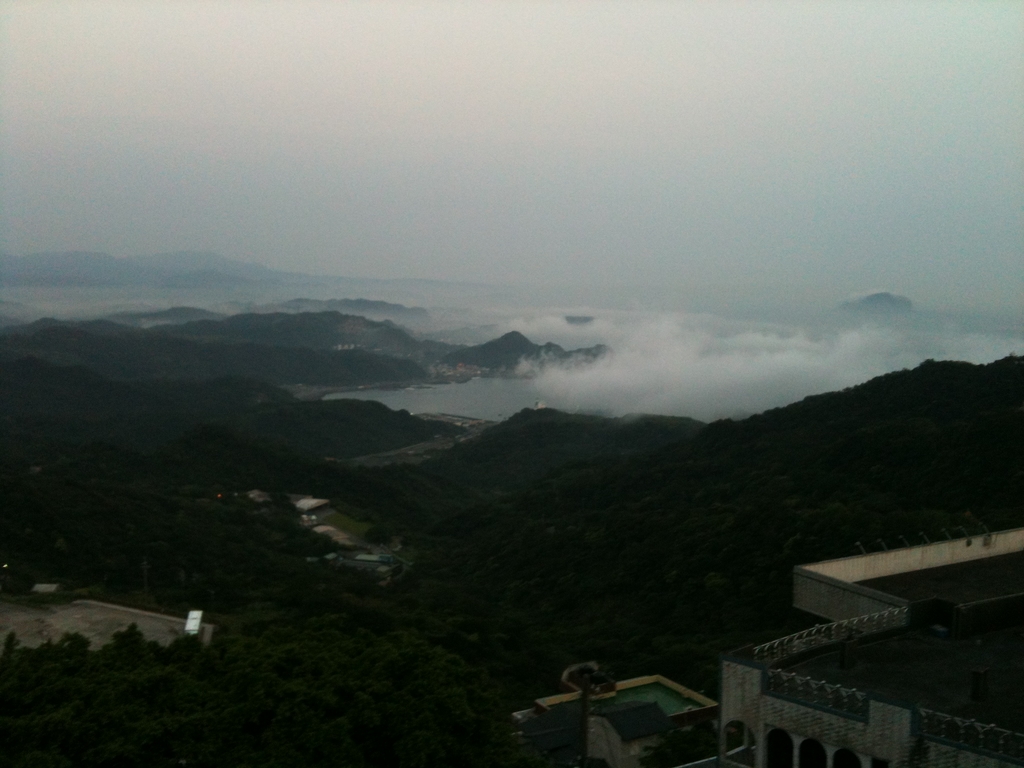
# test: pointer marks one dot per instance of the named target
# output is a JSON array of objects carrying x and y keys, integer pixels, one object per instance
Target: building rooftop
[
  {"x": 636, "y": 719},
  {"x": 935, "y": 673},
  {"x": 958, "y": 583},
  {"x": 959, "y": 572},
  {"x": 556, "y": 733}
]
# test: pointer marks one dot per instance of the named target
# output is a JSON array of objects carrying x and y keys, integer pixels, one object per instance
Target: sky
[{"x": 726, "y": 154}]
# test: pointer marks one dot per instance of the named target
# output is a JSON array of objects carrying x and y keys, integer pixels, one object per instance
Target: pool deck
[{"x": 669, "y": 695}]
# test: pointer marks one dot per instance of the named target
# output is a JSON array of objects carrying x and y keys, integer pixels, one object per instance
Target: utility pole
[
  {"x": 145, "y": 575},
  {"x": 584, "y": 673}
]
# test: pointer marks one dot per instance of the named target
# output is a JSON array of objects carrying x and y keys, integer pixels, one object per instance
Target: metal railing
[
  {"x": 971, "y": 733},
  {"x": 818, "y": 692},
  {"x": 823, "y": 634}
]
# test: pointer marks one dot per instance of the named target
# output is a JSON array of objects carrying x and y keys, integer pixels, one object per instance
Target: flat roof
[
  {"x": 958, "y": 583},
  {"x": 936, "y": 674}
]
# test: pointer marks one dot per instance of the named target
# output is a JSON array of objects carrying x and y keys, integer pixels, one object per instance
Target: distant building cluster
[
  {"x": 458, "y": 373},
  {"x": 376, "y": 560}
]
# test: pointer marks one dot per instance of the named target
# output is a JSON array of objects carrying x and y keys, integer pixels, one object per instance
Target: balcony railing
[
  {"x": 971, "y": 733},
  {"x": 818, "y": 692},
  {"x": 823, "y": 634}
]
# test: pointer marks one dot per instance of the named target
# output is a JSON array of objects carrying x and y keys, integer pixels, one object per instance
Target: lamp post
[{"x": 584, "y": 672}]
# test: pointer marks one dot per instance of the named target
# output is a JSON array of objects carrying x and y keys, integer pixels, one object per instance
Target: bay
[{"x": 480, "y": 398}]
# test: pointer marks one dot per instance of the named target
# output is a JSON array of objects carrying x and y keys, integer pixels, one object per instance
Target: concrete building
[
  {"x": 922, "y": 665},
  {"x": 958, "y": 573}
]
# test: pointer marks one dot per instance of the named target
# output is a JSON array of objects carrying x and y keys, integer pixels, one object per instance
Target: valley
[{"x": 509, "y": 549}]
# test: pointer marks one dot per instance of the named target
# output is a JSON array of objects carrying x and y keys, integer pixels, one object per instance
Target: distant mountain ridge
[
  {"x": 315, "y": 330},
  {"x": 219, "y": 275},
  {"x": 365, "y": 307},
  {"x": 183, "y": 269},
  {"x": 883, "y": 303},
  {"x": 506, "y": 352}
]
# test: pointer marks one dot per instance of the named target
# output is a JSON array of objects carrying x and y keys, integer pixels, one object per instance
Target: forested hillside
[
  {"x": 88, "y": 516},
  {"x": 121, "y": 352},
  {"x": 315, "y": 330},
  {"x": 522, "y": 449},
  {"x": 41, "y": 401},
  {"x": 649, "y": 560},
  {"x": 653, "y": 561},
  {"x": 328, "y": 694}
]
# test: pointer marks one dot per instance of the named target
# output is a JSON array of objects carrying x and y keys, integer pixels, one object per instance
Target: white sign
[{"x": 195, "y": 618}]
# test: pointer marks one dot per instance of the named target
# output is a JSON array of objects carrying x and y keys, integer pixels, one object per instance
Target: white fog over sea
[{"x": 701, "y": 366}]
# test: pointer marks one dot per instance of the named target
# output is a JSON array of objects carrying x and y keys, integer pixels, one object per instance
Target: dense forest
[
  {"x": 649, "y": 544},
  {"x": 39, "y": 400},
  {"x": 526, "y": 446},
  {"x": 316, "y": 330},
  {"x": 123, "y": 352}
]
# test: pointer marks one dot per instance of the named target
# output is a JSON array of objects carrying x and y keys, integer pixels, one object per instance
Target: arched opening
[
  {"x": 812, "y": 754},
  {"x": 780, "y": 749},
  {"x": 844, "y": 758},
  {"x": 740, "y": 745}
]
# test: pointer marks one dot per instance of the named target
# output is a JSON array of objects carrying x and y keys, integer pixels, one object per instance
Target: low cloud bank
[{"x": 707, "y": 368}]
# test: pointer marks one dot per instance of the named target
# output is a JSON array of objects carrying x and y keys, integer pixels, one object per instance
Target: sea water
[{"x": 480, "y": 398}]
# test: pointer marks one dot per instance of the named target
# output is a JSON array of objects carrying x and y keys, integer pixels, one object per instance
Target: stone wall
[
  {"x": 888, "y": 736},
  {"x": 834, "y": 599}
]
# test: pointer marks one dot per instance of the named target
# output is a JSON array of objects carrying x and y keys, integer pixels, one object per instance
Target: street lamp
[{"x": 584, "y": 673}]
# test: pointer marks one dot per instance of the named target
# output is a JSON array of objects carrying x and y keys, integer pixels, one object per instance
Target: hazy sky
[{"x": 750, "y": 152}]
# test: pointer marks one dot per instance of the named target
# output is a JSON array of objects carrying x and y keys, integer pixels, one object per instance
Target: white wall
[
  {"x": 878, "y": 564},
  {"x": 836, "y": 600}
]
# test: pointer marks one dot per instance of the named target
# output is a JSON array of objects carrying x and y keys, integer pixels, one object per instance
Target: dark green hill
[
  {"x": 120, "y": 352},
  {"x": 171, "y": 316},
  {"x": 505, "y": 353},
  {"x": 299, "y": 645},
  {"x": 653, "y": 561},
  {"x": 315, "y": 330},
  {"x": 42, "y": 401},
  {"x": 639, "y": 561},
  {"x": 90, "y": 513},
  {"x": 520, "y": 450},
  {"x": 339, "y": 428}
]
